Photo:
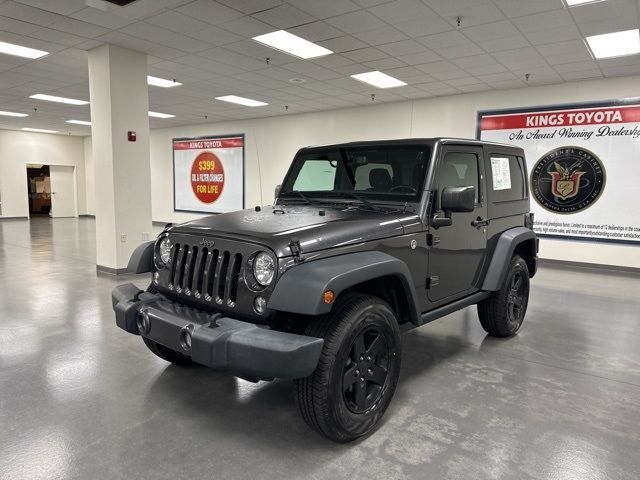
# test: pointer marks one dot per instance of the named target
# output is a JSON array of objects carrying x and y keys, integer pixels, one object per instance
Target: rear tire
[
  {"x": 358, "y": 370},
  {"x": 167, "y": 354},
  {"x": 502, "y": 314}
]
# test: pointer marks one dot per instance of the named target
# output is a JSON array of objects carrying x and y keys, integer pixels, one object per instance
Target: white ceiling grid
[{"x": 207, "y": 45}]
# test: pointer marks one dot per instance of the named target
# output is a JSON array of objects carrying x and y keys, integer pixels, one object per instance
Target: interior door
[
  {"x": 63, "y": 191},
  {"x": 458, "y": 251}
]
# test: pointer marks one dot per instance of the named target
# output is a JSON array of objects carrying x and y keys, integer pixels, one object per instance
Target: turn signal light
[{"x": 328, "y": 297}]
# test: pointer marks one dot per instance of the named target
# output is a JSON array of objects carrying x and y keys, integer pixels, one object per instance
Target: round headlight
[
  {"x": 164, "y": 250},
  {"x": 264, "y": 268}
]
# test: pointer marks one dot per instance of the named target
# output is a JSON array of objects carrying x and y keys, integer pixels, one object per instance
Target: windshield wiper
[
  {"x": 360, "y": 198},
  {"x": 309, "y": 201}
]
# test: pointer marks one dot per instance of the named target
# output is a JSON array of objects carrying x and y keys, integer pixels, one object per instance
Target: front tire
[
  {"x": 502, "y": 314},
  {"x": 358, "y": 370}
]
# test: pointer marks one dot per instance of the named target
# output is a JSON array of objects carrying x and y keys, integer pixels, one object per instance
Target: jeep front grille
[{"x": 205, "y": 273}]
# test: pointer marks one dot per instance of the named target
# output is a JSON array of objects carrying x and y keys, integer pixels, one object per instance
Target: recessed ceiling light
[
  {"x": 162, "y": 82},
  {"x": 242, "y": 101},
  {"x": 53, "y": 98},
  {"x": 20, "y": 51},
  {"x": 575, "y": 3},
  {"x": 292, "y": 44},
  {"x": 160, "y": 115},
  {"x": 616, "y": 44},
  {"x": 13, "y": 114},
  {"x": 39, "y": 130},
  {"x": 79, "y": 122},
  {"x": 379, "y": 79}
]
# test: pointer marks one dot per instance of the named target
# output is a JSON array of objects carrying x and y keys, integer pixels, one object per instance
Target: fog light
[
  {"x": 185, "y": 338},
  {"x": 260, "y": 305},
  {"x": 328, "y": 297},
  {"x": 143, "y": 322}
]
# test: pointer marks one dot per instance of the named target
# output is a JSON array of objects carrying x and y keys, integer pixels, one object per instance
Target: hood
[{"x": 276, "y": 226}]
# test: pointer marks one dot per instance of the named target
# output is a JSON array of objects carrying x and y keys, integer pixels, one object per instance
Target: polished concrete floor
[{"x": 81, "y": 399}]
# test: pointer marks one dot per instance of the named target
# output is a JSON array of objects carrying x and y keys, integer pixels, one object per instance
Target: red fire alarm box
[{"x": 131, "y": 136}]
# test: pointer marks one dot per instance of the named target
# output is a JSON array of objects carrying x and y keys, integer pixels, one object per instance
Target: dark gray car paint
[
  {"x": 141, "y": 260},
  {"x": 300, "y": 289}
]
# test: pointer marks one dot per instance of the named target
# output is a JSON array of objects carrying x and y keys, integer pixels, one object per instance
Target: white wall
[
  {"x": 19, "y": 148},
  {"x": 89, "y": 177},
  {"x": 272, "y": 142}
]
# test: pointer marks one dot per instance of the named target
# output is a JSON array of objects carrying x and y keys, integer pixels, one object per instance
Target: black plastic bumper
[{"x": 240, "y": 348}]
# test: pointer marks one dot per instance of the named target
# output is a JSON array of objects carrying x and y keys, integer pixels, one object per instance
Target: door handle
[{"x": 480, "y": 222}]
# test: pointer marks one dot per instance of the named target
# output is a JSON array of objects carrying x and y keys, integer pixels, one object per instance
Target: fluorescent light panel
[
  {"x": 13, "y": 114},
  {"x": 292, "y": 44},
  {"x": 20, "y": 51},
  {"x": 39, "y": 130},
  {"x": 79, "y": 122},
  {"x": 242, "y": 101},
  {"x": 53, "y": 98},
  {"x": 162, "y": 82},
  {"x": 379, "y": 79},
  {"x": 160, "y": 115},
  {"x": 616, "y": 44},
  {"x": 575, "y": 3}
]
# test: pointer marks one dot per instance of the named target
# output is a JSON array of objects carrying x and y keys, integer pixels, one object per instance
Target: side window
[
  {"x": 507, "y": 177},
  {"x": 459, "y": 169},
  {"x": 315, "y": 175}
]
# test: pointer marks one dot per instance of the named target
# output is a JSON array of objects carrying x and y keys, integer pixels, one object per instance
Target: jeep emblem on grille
[{"x": 207, "y": 243}]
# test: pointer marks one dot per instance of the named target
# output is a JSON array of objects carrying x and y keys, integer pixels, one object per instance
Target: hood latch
[{"x": 296, "y": 250}]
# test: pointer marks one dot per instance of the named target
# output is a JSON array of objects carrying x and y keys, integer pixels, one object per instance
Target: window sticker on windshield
[{"x": 501, "y": 173}]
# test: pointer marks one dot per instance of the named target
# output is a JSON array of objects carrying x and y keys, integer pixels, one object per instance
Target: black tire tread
[
  {"x": 493, "y": 310},
  {"x": 311, "y": 391}
]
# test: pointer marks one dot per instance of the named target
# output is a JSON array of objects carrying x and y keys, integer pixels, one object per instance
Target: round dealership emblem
[
  {"x": 207, "y": 177},
  {"x": 567, "y": 180}
]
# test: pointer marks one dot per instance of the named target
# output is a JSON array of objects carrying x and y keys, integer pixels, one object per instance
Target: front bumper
[{"x": 240, "y": 348}]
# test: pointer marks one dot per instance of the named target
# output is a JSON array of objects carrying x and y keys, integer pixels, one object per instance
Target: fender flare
[
  {"x": 300, "y": 288},
  {"x": 507, "y": 244},
  {"x": 141, "y": 260}
]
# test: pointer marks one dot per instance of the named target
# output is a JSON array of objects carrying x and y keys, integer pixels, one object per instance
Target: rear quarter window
[{"x": 506, "y": 177}]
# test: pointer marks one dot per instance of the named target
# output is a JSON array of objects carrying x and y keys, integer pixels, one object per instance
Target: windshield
[{"x": 391, "y": 173}]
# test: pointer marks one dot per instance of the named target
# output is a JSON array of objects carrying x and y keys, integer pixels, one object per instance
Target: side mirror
[
  {"x": 458, "y": 199},
  {"x": 277, "y": 191}
]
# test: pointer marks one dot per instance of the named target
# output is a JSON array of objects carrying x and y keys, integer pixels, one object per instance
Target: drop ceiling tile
[
  {"x": 325, "y": 8},
  {"x": 354, "y": 69},
  {"x": 622, "y": 70},
  {"x": 436, "y": 67},
  {"x": 402, "y": 11},
  {"x": 450, "y": 74},
  {"x": 78, "y": 27},
  {"x": 228, "y": 57},
  {"x": 284, "y": 16},
  {"x": 248, "y": 27},
  {"x": 324, "y": 74},
  {"x": 316, "y": 31},
  {"x": 506, "y": 43},
  {"x": 346, "y": 43},
  {"x": 420, "y": 58},
  {"x": 544, "y": 21},
  {"x": 571, "y": 47},
  {"x": 63, "y": 8},
  {"x": 406, "y": 47},
  {"x": 497, "y": 77},
  {"x": 210, "y": 12},
  {"x": 553, "y": 35},
  {"x": 385, "y": 64},
  {"x": 216, "y": 36},
  {"x": 424, "y": 26},
  {"x": 251, "y": 6},
  {"x": 356, "y": 22},
  {"x": 581, "y": 75},
  {"x": 17, "y": 26},
  {"x": 507, "y": 84},
  {"x": 382, "y": 35},
  {"x": 331, "y": 61},
  {"x": 576, "y": 67},
  {"x": 196, "y": 61},
  {"x": 27, "y": 13},
  {"x": 473, "y": 12},
  {"x": 520, "y": 58},
  {"x": 474, "y": 61},
  {"x": 365, "y": 54},
  {"x": 101, "y": 18},
  {"x": 256, "y": 50},
  {"x": 177, "y": 22},
  {"x": 56, "y": 36},
  {"x": 519, "y": 8},
  {"x": 607, "y": 25}
]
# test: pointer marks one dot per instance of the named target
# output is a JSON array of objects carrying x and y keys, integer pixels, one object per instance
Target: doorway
[{"x": 52, "y": 190}]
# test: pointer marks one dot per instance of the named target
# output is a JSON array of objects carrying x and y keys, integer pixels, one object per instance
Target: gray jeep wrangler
[{"x": 365, "y": 240}]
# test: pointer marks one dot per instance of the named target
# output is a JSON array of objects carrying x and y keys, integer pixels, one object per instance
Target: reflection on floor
[{"x": 81, "y": 399}]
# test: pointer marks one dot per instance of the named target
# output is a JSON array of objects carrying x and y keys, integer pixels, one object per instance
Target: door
[
  {"x": 457, "y": 251},
  {"x": 63, "y": 191}
]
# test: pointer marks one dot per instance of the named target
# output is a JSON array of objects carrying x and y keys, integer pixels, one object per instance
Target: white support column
[{"x": 119, "y": 104}]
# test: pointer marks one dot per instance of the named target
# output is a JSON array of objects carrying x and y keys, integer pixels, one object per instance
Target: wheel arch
[
  {"x": 519, "y": 240},
  {"x": 300, "y": 289}
]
